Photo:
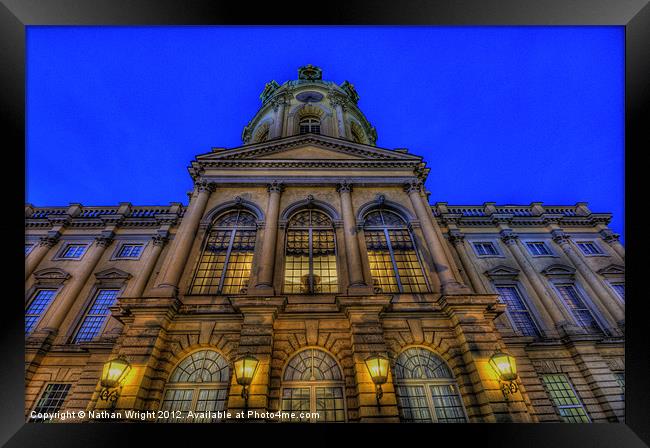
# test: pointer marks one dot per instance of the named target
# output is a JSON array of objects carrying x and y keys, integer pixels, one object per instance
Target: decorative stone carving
[
  {"x": 275, "y": 187},
  {"x": 51, "y": 275},
  {"x": 269, "y": 88},
  {"x": 112, "y": 274},
  {"x": 48, "y": 241},
  {"x": 159, "y": 240},
  {"x": 559, "y": 270},
  {"x": 344, "y": 187},
  {"x": 502, "y": 272},
  {"x": 310, "y": 73},
  {"x": 204, "y": 185},
  {"x": 508, "y": 237},
  {"x": 351, "y": 91},
  {"x": 456, "y": 237},
  {"x": 103, "y": 241},
  {"x": 560, "y": 237},
  {"x": 414, "y": 185}
]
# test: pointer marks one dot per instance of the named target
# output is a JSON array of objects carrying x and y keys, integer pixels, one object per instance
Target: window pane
[
  {"x": 381, "y": 265},
  {"x": 210, "y": 400},
  {"x": 517, "y": 310},
  {"x": 329, "y": 404},
  {"x": 447, "y": 404},
  {"x": 408, "y": 265},
  {"x": 130, "y": 251},
  {"x": 97, "y": 314},
  {"x": 37, "y": 307},
  {"x": 73, "y": 251},
  {"x": 575, "y": 303},
  {"x": 419, "y": 363},
  {"x": 564, "y": 398},
  {"x": 51, "y": 400},
  {"x": 176, "y": 400},
  {"x": 413, "y": 405},
  {"x": 296, "y": 399},
  {"x": 619, "y": 289}
]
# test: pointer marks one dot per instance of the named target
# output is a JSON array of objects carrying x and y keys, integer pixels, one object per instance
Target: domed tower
[{"x": 309, "y": 105}]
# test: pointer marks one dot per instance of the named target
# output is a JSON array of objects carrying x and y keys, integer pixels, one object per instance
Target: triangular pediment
[
  {"x": 559, "y": 270},
  {"x": 613, "y": 270},
  {"x": 308, "y": 147},
  {"x": 112, "y": 274},
  {"x": 502, "y": 271}
]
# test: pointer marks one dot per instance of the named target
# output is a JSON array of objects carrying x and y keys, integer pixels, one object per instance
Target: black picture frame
[{"x": 634, "y": 15}]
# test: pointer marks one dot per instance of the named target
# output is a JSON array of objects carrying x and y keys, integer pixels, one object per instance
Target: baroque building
[{"x": 312, "y": 249}]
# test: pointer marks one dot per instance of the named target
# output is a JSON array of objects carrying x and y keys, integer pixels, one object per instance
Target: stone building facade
[{"x": 311, "y": 248}]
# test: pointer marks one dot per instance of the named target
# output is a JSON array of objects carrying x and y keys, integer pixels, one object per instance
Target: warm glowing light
[
  {"x": 504, "y": 365},
  {"x": 245, "y": 369},
  {"x": 115, "y": 371},
  {"x": 378, "y": 368}
]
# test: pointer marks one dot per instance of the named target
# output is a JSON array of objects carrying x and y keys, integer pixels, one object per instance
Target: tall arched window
[
  {"x": 310, "y": 125},
  {"x": 199, "y": 384},
  {"x": 225, "y": 263},
  {"x": 426, "y": 389},
  {"x": 394, "y": 263},
  {"x": 313, "y": 383},
  {"x": 310, "y": 254}
]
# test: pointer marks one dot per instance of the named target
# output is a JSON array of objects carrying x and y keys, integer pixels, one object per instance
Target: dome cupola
[{"x": 309, "y": 105}]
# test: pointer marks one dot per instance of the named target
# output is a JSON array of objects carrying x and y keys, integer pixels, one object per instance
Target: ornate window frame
[
  {"x": 426, "y": 383},
  {"x": 601, "y": 252},
  {"x": 51, "y": 279},
  {"x": 129, "y": 242},
  {"x": 64, "y": 247},
  {"x": 312, "y": 385},
  {"x": 494, "y": 243},
  {"x": 551, "y": 253}
]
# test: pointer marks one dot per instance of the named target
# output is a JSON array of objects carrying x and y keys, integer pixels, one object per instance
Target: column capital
[
  {"x": 344, "y": 187},
  {"x": 456, "y": 237},
  {"x": 203, "y": 185},
  {"x": 104, "y": 240},
  {"x": 609, "y": 236},
  {"x": 508, "y": 237},
  {"x": 413, "y": 186},
  {"x": 159, "y": 240},
  {"x": 560, "y": 237},
  {"x": 49, "y": 240},
  {"x": 275, "y": 187}
]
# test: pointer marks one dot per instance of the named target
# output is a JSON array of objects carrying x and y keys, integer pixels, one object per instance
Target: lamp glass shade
[
  {"x": 115, "y": 371},
  {"x": 245, "y": 369},
  {"x": 504, "y": 365},
  {"x": 378, "y": 368}
]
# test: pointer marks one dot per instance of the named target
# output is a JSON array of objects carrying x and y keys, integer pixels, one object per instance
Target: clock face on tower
[{"x": 309, "y": 97}]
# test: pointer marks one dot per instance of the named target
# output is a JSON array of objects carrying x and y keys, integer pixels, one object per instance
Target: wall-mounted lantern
[
  {"x": 113, "y": 375},
  {"x": 506, "y": 368},
  {"x": 378, "y": 368},
  {"x": 245, "y": 368}
]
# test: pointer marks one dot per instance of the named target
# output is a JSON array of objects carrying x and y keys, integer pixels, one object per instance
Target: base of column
[
  {"x": 162, "y": 291},
  {"x": 261, "y": 290},
  {"x": 621, "y": 325},
  {"x": 455, "y": 288},
  {"x": 360, "y": 290}
]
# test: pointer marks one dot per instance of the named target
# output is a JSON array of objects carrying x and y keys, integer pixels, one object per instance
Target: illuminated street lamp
[
  {"x": 378, "y": 368},
  {"x": 245, "y": 368},
  {"x": 506, "y": 368},
  {"x": 113, "y": 374}
]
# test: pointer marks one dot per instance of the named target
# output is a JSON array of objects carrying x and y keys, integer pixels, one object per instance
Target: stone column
[
  {"x": 607, "y": 300},
  {"x": 141, "y": 281},
  {"x": 559, "y": 315},
  {"x": 458, "y": 240},
  {"x": 441, "y": 265},
  {"x": 355, "y": 268},
  {"x": 37, "y": 254},
  {"x": 340, "y": 122},
  {"x": 611, "y": 238},
  {"x": 278, "y": 107},
  {"x": 62, "y": 304},
  {"x": 367, "y": 339},
  {"x": 256, "y": 339},
  {"x": 184, "y": 238},
  {"x": 267, "y": 257}
]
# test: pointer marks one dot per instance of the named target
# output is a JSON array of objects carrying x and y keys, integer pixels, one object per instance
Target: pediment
[
  {"x": 502, "y": 271},
  {"x": 308, "y": 147},
  {"x": 112, "y": 274},
  {"x": 310, "y": 152},
  {"x": 613, "y": 270},
  {"x": 51, "y": 274},
  {"x": 559, "y": 270}
]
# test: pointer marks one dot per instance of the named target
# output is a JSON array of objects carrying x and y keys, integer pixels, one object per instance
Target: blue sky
[{"x": 501, "y": 114}]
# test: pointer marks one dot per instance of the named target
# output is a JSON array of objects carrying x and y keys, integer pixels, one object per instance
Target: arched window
[
  {"x": 355, "y": 135},
  {"x": 394, "y": 263},
  {"x": 426, "y": 389},
  {"x": 313, "y": 383},
  {"x": 310, "y": 266},
  {"x": 310, "y": 125},
  {"x": 199, "y": 384},
  {"x": 225, "y": 263}
]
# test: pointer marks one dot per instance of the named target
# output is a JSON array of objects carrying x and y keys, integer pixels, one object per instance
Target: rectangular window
[
  {"x": 196, "y": 400},
  {"x": 40, "y": 302},
  {"x": 296, "y": 399},
  {"x": 130, "y": 251},
  {"x": 517, "y": 310},
  {"x": 538, "y": 249},
  {"x": 589, "y": 248},
  {"x": 329, "y": 404},
  {"x": 447, "y": 404},
  {"x": 51, "y": 400},
  {"x": 73, "y": 251},
  {"x": 565, "y": 399},
  {"x": 619, "y": 289},
  {"x": 485, "y": 249},
  {"x": 576, "y": 304},
  {"x": 96, "y": 316},
  {"x": 28, "y": 248},
  {"x": 620, "y": 379}
]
